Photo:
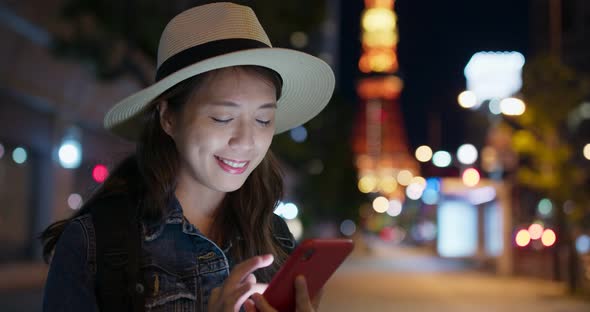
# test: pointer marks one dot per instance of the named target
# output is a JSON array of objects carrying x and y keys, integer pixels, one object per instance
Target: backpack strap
[{"x": 119, "y": 285}]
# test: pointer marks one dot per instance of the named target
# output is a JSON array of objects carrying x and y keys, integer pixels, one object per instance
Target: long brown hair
[{"x": 150, "y": 177}]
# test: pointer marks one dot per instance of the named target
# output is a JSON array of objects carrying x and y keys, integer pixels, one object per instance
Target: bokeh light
[
  {"x": 395, "y": 208},
  {"x": 288, "y": 211},
  {"x": 388, "y": 184},
  {"x": 378, "y": 20},
  {"x": 512, "y": 107},
  {"x": 299, "y": 39},
  {"x": 471, "y": 177},
  {"x": 467, "y": 154},
  {"x": 423, "y": 153},
  {"x": 545, "y": 207},
  {"x": 347, "y": 227},
  {"x": 535, "y": 231},
  {"x": 74, "y": 201},
  {"x": 523, "y": 238},
  {"x": 380, "y": 204},
  {"x": 433, "y": 183},
  {"x": 19, "y": 155},
  {"x": 441, "y": 159},
  {"x": 100, "y": 173},
  {"x": 467, "y": 99},
  {"x": 586, "y": 151},
  {"x": 298, "y": 134},
  {"x": 583, "y": 243},
  {"x": 367, "y": 184},
  {"x": 430, "y": 196},
  {"x": 494, "y": 106},
  {"x": 70, "y": 154},
  {"x": 419, "y": 180},
  {"x": 404, "y": 177},
  {"x": 548, "y": 238},
  {"x": 414, "y": 191}
]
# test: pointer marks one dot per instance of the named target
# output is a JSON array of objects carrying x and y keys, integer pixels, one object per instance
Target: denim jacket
[{"x": 180, "y": 265}]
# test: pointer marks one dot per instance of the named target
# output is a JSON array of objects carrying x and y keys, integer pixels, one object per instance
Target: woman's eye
[
  {"x": 263, "y": 122},
  {"x": 221, "y": 120}
]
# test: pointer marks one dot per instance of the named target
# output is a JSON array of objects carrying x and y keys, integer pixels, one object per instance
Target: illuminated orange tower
[{"x": 380, "y": 142}]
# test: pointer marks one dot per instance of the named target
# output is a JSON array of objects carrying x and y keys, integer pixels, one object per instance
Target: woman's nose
[{"x": 243, "y": 137}]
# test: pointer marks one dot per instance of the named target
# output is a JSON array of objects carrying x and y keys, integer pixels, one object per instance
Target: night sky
[{"x": 437, "y": 39}]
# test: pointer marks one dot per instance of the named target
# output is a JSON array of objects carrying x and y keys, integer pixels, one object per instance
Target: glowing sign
[
  {"x": 494, "y": 74},
  {"x": 457, "y": 225}
]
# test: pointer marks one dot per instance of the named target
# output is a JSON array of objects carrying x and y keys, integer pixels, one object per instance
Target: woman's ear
[{"x": 166, "y": 117}]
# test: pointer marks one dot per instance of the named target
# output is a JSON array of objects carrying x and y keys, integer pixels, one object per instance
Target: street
[{"x": 402, "y": 280}]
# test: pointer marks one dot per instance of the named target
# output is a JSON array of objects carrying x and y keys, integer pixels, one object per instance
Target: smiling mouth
[{"x": 232, "y": 166}]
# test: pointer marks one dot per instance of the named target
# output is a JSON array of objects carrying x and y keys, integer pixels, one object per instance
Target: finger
[
  {"x": 302, "y": 300},
  {"x": 247, "y": 292},
  {"x": 251, "y": 278},
  {"x": 262, "y": 304},
  {"x": 243, "y": 269},
  {"x": 250, "y": 306}
]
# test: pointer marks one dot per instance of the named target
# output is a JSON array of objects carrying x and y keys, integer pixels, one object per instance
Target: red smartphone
[{"x": 316, "y": 259}]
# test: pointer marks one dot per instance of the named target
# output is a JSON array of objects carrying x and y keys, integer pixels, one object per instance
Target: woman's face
[{"x": 224, "y": 130}]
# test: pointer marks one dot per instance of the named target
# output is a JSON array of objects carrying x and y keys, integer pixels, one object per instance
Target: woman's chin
[{"x": 230, "y": 187}]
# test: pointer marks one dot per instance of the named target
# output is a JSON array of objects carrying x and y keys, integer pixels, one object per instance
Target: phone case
[{"x": 316, "y": 259}]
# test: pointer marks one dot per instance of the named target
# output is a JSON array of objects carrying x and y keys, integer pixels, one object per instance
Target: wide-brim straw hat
[{"x": 224, "y": 34}]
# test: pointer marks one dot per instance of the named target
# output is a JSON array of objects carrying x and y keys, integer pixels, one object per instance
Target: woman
[{"x": 187, "y": 222}]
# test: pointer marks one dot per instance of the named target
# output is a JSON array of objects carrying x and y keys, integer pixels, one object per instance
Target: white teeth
[{"x": 233, "y": 164}]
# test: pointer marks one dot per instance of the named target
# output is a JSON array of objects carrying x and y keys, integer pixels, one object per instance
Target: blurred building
[{"x": 44, "y": 100}]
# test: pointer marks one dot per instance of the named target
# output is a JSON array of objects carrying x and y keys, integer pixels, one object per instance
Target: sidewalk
[{"x": 409, "y": 279}]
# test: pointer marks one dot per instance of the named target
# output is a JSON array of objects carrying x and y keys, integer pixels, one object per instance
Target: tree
[{"x": 550, "y": 160}]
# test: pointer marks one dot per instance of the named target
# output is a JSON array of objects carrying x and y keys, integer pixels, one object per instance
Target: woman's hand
[
  {"x": 302, "y": 301},
  {"x": 239, "y": 285}
]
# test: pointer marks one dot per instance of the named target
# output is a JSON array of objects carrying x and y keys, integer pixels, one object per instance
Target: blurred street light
[
  {"x": 587, "y": 151},
  {"x": 380, "y": 204},
  {"x": 467, "y": 99},
  {"x": 100, "y": 173},
  {"x": 70, "y": 154},
  {"x": 583, "y": 243},
  {"x": 536, "y": 230},
  {"x": 467, "y": 154},
  {"x": 545, "y": 207},
  {"x": 471, "y": 177},
  {"x": 512, "y": 107},
  {"x": 395, "y": 208},
  {"x": 404, "y": 177},
  {"x": 441, "y": 159},
  {"x": 523, "y": 238},
  {"x": 367, "y": 184},
  {"x": 19, "y": 155},
  {"x": 423, "y": 153},
  {"x": 548, "y": 238}
]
